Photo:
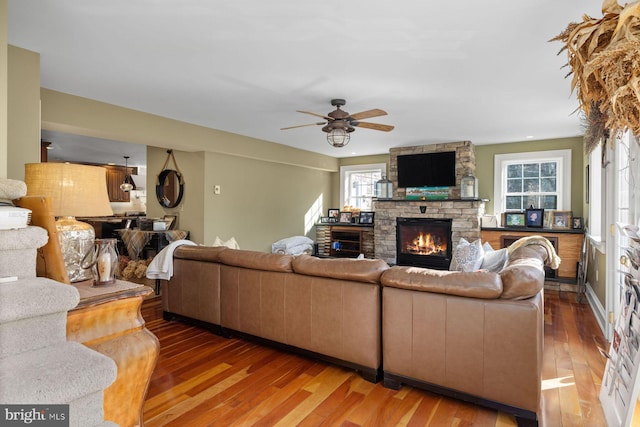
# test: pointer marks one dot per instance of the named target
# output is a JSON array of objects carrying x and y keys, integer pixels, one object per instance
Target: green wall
[
  {"x": 4, "y": 65},
  {"x": 23, "y": 93},
  {"x": 485, "y": 166}
]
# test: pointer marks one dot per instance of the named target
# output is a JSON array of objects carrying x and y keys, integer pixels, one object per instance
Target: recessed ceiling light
[
  {"x": 529, "y": 136},
  {"x": 111, "y": 164}
]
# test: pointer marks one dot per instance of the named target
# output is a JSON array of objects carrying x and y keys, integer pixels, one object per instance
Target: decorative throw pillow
[
  {"x": 494, "y": 261},
  {"x": 231, "y": 243},
  {"x": 467, "y": 256}
]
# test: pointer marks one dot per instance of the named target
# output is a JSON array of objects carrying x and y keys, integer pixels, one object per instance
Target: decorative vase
[{"x": 103, "y": 261}]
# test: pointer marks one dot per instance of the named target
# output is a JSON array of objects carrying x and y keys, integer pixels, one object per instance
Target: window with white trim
[
  {"x": 541, "y": 179},
  {"x": 358, "y": 184},
  {"x": 596, "y": 211}
]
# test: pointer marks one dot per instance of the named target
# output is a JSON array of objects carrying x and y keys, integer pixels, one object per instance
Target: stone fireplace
[
  {"x": 423, "y": 242},
  {"x": 464, "y": 215}
]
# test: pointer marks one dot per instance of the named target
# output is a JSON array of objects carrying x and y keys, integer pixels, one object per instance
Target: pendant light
[{"x": 128, "y": 183}]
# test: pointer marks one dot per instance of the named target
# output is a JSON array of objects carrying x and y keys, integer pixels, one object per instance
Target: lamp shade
[{"x": 75, "y": 190}]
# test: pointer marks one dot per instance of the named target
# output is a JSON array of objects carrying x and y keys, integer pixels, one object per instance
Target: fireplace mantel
[{"x": 465, "y": 216}]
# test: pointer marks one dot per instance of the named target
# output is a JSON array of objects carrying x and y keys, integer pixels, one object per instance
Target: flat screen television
[{"x": 427, "y": 170}]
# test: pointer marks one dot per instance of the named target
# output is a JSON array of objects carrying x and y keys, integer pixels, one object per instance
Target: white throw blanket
[{"x": 161, "y": 266}]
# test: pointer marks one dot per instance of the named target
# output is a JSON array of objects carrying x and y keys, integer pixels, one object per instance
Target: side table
[{"x": 108, "y": 320}]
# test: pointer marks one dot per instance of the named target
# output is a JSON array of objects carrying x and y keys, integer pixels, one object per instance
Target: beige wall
[
  {"x": 23, "y": 111},
  {"x": 67, "y": 113},
  {"x": 267, "y": 188},
  {"x": 4, "y": 60},
  {"x": 485, "y": 166}
]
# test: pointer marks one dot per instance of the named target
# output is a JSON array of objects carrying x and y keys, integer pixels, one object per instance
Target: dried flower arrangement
[{"x": 604, "y": 56}]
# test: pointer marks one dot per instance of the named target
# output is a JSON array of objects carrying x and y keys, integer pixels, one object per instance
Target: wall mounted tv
[{"x": 427, "y": 170}]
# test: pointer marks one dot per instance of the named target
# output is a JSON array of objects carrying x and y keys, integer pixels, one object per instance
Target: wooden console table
[
  {"x": 108, "y": 320},
  {"x": 568, "y": 244}
]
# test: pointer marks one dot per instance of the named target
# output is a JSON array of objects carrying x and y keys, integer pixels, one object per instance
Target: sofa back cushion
[
  {"x": 256, "y": 260},
  {"x": 358, "y": 270},
  {"x": 477, "y": 284},
  {"x": 523, "y": 276},
  {"x": 199, "y": 253}
]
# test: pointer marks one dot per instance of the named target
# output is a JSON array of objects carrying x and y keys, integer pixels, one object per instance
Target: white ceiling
[{"x": 444, "y": 71}]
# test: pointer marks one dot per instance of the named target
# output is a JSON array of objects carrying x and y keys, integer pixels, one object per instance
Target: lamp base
[{"x": 76, "y": 239}]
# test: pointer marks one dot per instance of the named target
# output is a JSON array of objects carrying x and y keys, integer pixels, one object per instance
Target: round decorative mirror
[{"x": 170, "y": 188}]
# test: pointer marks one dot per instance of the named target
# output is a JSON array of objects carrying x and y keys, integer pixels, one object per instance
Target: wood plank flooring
[{"x": 205, "y": 380}]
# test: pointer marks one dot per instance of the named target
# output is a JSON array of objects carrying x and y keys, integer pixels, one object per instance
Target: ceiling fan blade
[
  {"x": 374, "y": 126},
  {"x": 315, "y": 114},
  {"x": 301, "y": 126},
  {"x": 376, "y": 112}
]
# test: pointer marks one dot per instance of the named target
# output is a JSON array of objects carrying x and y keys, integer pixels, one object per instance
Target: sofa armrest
[
  {"x": 357, "y": 270},
  {"x": 477, "y": 284},
  {"x": 523, "y": 276}
]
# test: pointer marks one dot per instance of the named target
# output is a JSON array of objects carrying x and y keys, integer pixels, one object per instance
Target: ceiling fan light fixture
[{"x": 338, "y": 137}]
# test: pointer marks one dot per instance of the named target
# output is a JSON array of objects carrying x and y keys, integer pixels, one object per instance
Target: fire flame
[{"x": 426, "y": 244}]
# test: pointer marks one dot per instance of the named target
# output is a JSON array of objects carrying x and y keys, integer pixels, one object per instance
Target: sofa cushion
[
  {"x": 467, "y": 256},
  {"x": 494, "y": 261},
  {"x": 256, "y": 260},
  {"x": 199, "y": 253},
  {"x": 359, "y": 270},
  {"x": 478, "y": 284},
  {"x": 523, "y": 276}
]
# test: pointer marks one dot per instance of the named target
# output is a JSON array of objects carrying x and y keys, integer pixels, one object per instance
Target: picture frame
[
  {"x": 333, "y": 219},
  {"x": 514, "y": 219},
  {"x": 576, "y": 223},
  {"x": 345, "y": 217},
  {"x": 534, "y": 218},
  {"x": 324, "y": 220},
  {"x": 561, "y": 220},
  {"x": 366, "y": 217},
  {"x": 333, "y": 213}
]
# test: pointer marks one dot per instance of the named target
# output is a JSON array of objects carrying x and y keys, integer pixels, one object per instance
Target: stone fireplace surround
[{"x": 465, "y": 214}]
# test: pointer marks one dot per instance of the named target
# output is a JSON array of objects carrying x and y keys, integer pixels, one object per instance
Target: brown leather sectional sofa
[
  {"x": 474, "y": 336},
  {"x": 326, "y": 308}
]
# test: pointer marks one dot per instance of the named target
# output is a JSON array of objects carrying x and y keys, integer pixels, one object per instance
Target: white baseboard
[{"x": 598, "y": 310}]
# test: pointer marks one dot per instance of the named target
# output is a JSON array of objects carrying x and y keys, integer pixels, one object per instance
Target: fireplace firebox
[{"x": 423, "y": 242}]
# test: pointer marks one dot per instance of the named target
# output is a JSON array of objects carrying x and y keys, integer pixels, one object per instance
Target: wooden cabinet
[
  {"x": 345, "y": 241},
  {"x": 108, "y": 320},
  {"x": 568, "y": 244},
  {"x": 115, "y": 177}
]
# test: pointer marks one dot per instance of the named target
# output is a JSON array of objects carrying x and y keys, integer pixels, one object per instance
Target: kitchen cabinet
[{"x": 115, "y": 177}]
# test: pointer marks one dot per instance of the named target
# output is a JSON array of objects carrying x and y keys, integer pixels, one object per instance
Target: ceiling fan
[{"x": 339, "y": 123}]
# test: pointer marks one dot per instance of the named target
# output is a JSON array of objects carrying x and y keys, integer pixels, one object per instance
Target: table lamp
[{"x": 75, "y": 190}]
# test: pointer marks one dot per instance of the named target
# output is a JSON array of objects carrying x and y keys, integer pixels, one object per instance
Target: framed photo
[
  {"x": 561, "y": 219},
  {"x": 576, "y": 223},
  {"x": 514, "y": 219},
  {"x": 324, "y": 220},
  {"x": 333, "y": 219},
  {"x": 333, "y": 213},
  {"x": 534, "y": 218},
  {"x": 345, "y": 217},
  {"x": 366, "y": 217}
]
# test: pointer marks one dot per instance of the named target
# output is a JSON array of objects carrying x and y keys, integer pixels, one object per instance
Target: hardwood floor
[{"x": 205, "y": 380}]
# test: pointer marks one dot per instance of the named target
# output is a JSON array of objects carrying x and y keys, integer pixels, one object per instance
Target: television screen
[{"x": 427, "y": 170}]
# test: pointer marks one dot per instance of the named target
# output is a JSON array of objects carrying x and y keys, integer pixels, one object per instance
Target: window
[
  {"x": 540, "y": 179},
  {"x": 358, "y": 184},
  {"x": 596, "y": 211}
]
